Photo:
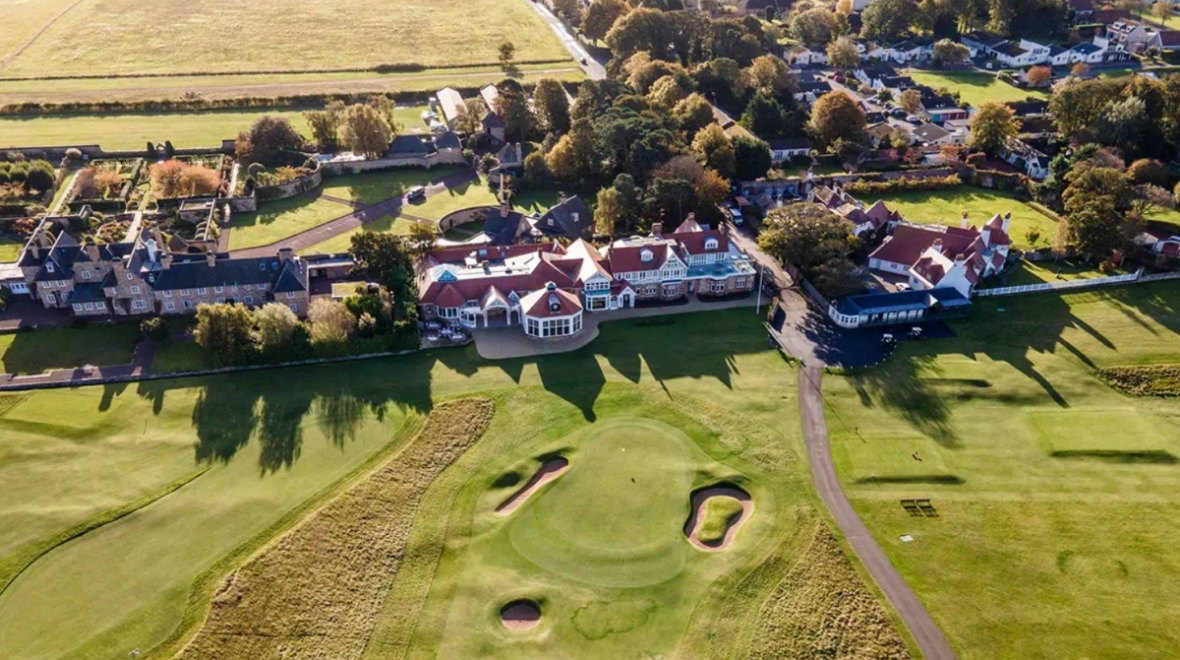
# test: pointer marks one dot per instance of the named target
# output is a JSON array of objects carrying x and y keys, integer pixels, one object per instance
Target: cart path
[{"x": 926, "y": 633}]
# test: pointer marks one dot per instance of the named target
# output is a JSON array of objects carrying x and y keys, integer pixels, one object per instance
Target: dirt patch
[
  {"x": 316, "y": 592},
  {"x": 520, "y": 615},
  {"x": 549, "y": 471},
  {"x": 700, "y": 502}
]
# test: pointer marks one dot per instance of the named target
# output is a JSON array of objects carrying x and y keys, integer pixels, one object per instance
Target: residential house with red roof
[{"x": 935, "y": 257}]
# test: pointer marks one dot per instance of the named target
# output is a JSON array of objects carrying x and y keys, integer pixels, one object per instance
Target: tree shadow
[{"x": 901, "y": 389}]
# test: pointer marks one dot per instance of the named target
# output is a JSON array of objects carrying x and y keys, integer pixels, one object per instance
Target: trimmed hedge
[{"x": 888, "y": 186}]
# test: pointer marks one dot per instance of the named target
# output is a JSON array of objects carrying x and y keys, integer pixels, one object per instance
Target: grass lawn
[
  {"x": 372, "y": 187},
  {"x": 464, "y": 232},
  {"x": 383, "y": 225},
  {"x": 10, "y": 248},
  {"x": 125, "y": 36},
  {"x": 947, "y": 207},
  {"x": 1052, "y": 271},
  {"x": 179, "y": 356},
  {"x": 466, "y": 195},
  {"x": 275, "y": 443},
  {"x": 35, "y": 351},
  {"x": 975, "y": 87},
  {"x": 1058, "y": 498},
  {"x": 275, "y": 221}
]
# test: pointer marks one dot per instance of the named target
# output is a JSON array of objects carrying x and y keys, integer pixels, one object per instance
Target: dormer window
[
  {"x": 710, "y": 244},
  {"x": 646, "y": 255},
  {"x": 49, "y": 268}
]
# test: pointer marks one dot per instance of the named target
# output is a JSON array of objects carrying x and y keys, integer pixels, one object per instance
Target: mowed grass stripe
[{"x": 317, "y": 591}]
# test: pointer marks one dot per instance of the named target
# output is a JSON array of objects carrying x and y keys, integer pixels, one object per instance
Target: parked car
[
  {"x": 913, "y": 119},
  {"x": 897, "y": 113},
  {"x": 416, "y": 193},
  {"x": 902, "y": 287}
]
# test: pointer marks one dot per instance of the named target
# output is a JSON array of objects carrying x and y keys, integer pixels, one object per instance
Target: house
[
  {"x": 879, "y": 309},
  {"x": 933, "y": 135},
  {"x": 1029, "y": 108},
  {"x": 1166, "y": 40},
  {"x": 449, "y": 103},
  {"x": 864, "y": 221},
  {"x": 935, "y": 256},
  {"x": 869, "y": 74},
  {"x": 509, "y": 160},
  {"x": 570, "y": 218},
  {"x": 1027, "y": 158},
  {"x": 809, "y": 91},
  {"x": 782, "y": 150},
  {"x": 960, "y": 130},
  {"x": 409, "y": 146},
  {"x": 1017, "y": 54},
  {"x": 143, "y": 277},
  {"x": 882, "y": 131},
  {"x": 13, "y": 279},
  {"x": 982, "y": 44},
  {"x": 546, "y": 289},
  {"x": 939, "y": 108},
  {"x": 1137, "y": 37},
  {"x": 801, "y": 55}
]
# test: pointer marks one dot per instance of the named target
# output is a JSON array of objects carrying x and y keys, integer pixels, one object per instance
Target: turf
[
  {"x": 35, "y": 351},
  {"x": 275, "y": 442},
  {"x": 719, "y": 513},
  {"x": 975, "y": 88},
  {"x": 128, "y": 37},
  {"x": 10, "y": 248},
  {"x": 383, "y": 225},
  {"x": 947, "y": 207},
  {"x": 372, "y": 187},
  {"x": 281, "y": 219},
  {"x": 463, "y": 196},
  {"x": 1058, "y": 497}
]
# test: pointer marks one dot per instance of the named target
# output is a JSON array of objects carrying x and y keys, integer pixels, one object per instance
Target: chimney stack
[
  {"x": 211, "y": 258},
  {"x": 285, "y": 254},
  {"x": 657, "y": 230},
  {"x": 964, "y": 224},
  {"x": 1007, "y": 221}
]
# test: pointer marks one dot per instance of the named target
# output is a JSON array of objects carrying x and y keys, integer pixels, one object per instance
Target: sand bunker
[
  {"x": 549, "y": 471},
  {"x": 520, "y": 615},
  {"x": 700, "y": 502}
]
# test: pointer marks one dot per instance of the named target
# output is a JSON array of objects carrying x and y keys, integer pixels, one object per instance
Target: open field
[
  {"x": 278, "y": 445},
  {"x": 22, "y": 19},
  {"x": 947, "y": 206},
  {"x": 174, "y": 36},
  {"x": 371, "y": 187},
  {"x": 975, "y": 87},
  {"x": 34, "y": 351},
  {"x": 1058, "y": 497}
]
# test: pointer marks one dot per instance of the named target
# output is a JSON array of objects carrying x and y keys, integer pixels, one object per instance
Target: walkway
[
  {"x": 510, "y": 342},
  {"x": 344, "y": 224},
  {"x": 926, "y": 633},
  {"x": 141, "y": 365}
]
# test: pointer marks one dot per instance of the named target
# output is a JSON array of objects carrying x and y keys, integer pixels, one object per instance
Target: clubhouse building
[{"x": 545, "y": 288}]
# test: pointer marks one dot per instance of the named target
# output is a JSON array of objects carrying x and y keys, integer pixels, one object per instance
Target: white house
[
  {"x": 783, "y": 150},
  {"x": 803, "y": 56},
  {"x": 1021, "y": 54},
  {"x": 1020, "y": 154},
  {"x": 934, "y": 256}
]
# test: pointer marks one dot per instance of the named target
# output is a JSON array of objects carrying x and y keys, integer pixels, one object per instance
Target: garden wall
[
  {"x": 94, "y": 151},
  {"x": 291, "y": 188}
]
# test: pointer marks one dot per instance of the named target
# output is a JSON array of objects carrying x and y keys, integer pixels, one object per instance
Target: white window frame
[
  {"x": 85, "y": 274},
  {"x": 51, "y": 299},
  {"x": 218, "y": 289},
  {"x": 170, "y": 306},
  {"x": 135, "y": 290}
]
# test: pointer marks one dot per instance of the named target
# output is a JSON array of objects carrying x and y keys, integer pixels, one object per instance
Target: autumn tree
[
  {"x": 174, "y": 178},
  {"x": 1148, "y": 170},
  {"x": 667, "y": 92},
  {"x": 837, "y": 117},
  {"x": 692, "y": 114},
  {"x": 573, "y": 157},
  {"x": 364, "y": 130},
  {"x": 768, "y": 74},
  {"x": 1038, "y": 76},
  {"x": 911, "y": 101},
  {"x": 551, "y": 105},
  {"x": 268, "y": 138},
  {"x": 601, "y": 16},
  {"x": 325, "y": 125},
  {"x": 1080, "y": 70},
  {"x": 331, "y": 322},
  {"x": 274, "y": 327},
  {"x": 609, "y": 212},
  {"x": 843, "y": 54},
  {"x": 992, "y": 126},
  {"x": 948, "y": 52},
  {"x": 468, "y": 116},
  {"x": 713, "y": 149}
]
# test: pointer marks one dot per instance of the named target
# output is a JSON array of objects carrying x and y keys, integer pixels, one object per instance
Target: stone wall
[{"x": 291, "y": 188}]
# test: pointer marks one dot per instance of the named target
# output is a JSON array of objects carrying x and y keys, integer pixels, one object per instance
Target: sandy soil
[
  {"x": 700, "y": 500},
  {"x": 520, "y": 615},
  {"x": 549, "y": 471}
]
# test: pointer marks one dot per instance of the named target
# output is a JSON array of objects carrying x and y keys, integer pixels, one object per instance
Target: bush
[
  {"x": 886, "y": 187},
  {"x": 73, "y": 154},
  {"x": 155, "y": 329},
  {"x": 5, "y": 298},
  {"x": 174, "y": 178}
]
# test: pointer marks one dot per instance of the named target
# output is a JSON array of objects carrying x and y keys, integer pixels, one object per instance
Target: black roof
[
  {"x": 448, "y": 140},
  {"x": 194, "y": 273},
  {"x": 502, "y": 229},
  {"x": 880, "y": 303},
  {"x": 89, "y": 292},
  {"x": 408, "y": 145},
  {"x": 1034, "y": 107},
  {"x": 784, "y": 144},
  {"x": 571, "y": 218}
]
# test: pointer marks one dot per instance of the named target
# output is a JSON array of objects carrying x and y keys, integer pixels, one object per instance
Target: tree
[
  {"x": 225, "y": 332},
  {"x": 752, "y": 158},
  {"x": 536, "y": 170},
  {"x": 992, "y": 126},
  {"x": 386, "y": 258},
  {"x": 570, "y": 9},
  {"x": 722, "y": 80},
  {"x": 155, "y": 329},
  {"x": 713, "y": 149},
  {"x": 885, "y": 95},
  {"x": 468, "y": 116},
  {"x": 506, "y": 51},
  {"x": 174, "y": 178},
  {"x": 911, "y": 101},
  {"x": 843, "y": 54},
  {"x": 268, "y": 138},
  {"x": 601, "y": 17},
  {"x": 837, "y": 278},
  {"x": 551, "y": 105},
  {"x": 643, "y": 29},
  {"x": 1148, "y": 170},
  {"x": 816, "y": 27},
  {"x": 888, "y": 19},
  {"x": 1149, "y": 199},
  {"x": 421, "y": 241},
  {"x": 331, "y": 322},
  {"x": 609, "y": 213},
  {"x": 837, "y": 117},
  {"x": 1124, "y": 124},
  {"x": 1080, "y": 70},
  {"x": 275, "y": 326},
  {"x": 325, "y": 125},
  {"x": 768, "y": 75},
  {"x": 709, "y": 190},
  {"x": 693, "y": 114},
  {"x": 512, "y": 105},
  {"x": 364, "y": 130},
  {"x": 947, "y": 52},
  {"x": 1038, "y": 76},
  {"x": 1095, "y": 230},
  {"x": 573, "y": 157},
  {"x": 764, "y": 117},
  {"x": 667, "y": 92},
  {"x": 1032, "y": 236},
  {"x": 809, "y": 236},
  {"x": 1162, "y": 10}
]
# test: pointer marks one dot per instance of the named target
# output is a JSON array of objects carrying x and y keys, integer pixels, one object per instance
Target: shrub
[
  {"x": 5, "y": 298},
  {"x": 73, "y": 154},
  {"x": 888, "y": 186},
  {"x": 1159, "y": 380},
  {"x": 155, "y": 329},
  {"x": 174, "y": 178}
]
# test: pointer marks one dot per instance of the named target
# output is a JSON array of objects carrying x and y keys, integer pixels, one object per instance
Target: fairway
[
  {"x": 947, "y": 206},
  {"x": 114, "y": 37},
  {"x": 975, "y": 87},
  {"x": 1058, "y": 497}
]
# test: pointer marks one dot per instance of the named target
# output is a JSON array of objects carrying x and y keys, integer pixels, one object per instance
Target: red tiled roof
[
  {"x": 449, "y": 296},
  {"x": 458, "y": 253},
  {"x": 907, "y": 244},
  {"x": 544, "y": 303},
  {"x": 694, "y": 242},
  {"x": 628, "y": 259}
]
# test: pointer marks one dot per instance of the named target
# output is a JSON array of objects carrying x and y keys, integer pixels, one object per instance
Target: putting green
[{"x": 615, "y": 518}]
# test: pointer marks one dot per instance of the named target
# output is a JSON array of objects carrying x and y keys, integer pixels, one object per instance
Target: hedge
[
  {"x": 1159, "y": 380},
  {"x": 888, "y": 186}
]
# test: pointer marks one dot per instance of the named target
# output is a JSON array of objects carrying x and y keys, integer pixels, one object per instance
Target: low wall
[
  {"x": 303, "y": 184},
  {"x": 95, "y": 152},
  {"x": 427, "y": 162},
  {"x": 465, "y": 216}
]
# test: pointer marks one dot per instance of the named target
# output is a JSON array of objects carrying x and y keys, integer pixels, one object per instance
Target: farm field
[
  {"x": 1058, "y": 497},
  {"x": 975, "y": 87},
  {"x": 22, "y": 19},
  {"x": 947, "y": 206},
  {"x": 122, "y": 37},
  {"x": 273, "y": 446}
]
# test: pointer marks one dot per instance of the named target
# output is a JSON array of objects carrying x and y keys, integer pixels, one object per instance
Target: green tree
[
  {"x": 837, "y": 117},
  {"x": 992, "y": 126},
  {"x": 570, "y": 9},
  {"x": 325, "y": 125},
  {"x": 268, "y": 138},
  {"x": 815, "y": 240},
  {"x": 1124, "y": 124},
  {"x": 468, "y": 116},
  {"x": 387, "y": 259},
  {"x": 513, "y": 107},
  {"x": 764, "y": 117},
  {"x": 722, "y": 80},
  {"x": 888, "y": 19},
  {"x": 275, "y": 326},
  {"x": 692, "y": 114},
  {"x": 643, "y": 29},
  {"x": 225, "y": 332},
  {"x": 601, "y": 17},
  {"x": 843, "y": 54},
  {"x": 630, "y": 195},
  {"x": 947, "y": 52},
  {"x": 713, "y": 149},
  {"x": 816, "y": 27},
  {"x": 573, "y": 157},
  {"x": 667, "y": 92},
  {"x": 751, "y": 157},
  {"x": 421, "y": 241},
  {"x": 365, "y": 130},
  {"x": 551, "y": 105},
  {"x": 506, "y": 52},
  {"x": 609, "y": 213}
]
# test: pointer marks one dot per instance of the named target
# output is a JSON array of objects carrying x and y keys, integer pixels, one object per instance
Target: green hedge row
[{"x": 862, "y": 187}]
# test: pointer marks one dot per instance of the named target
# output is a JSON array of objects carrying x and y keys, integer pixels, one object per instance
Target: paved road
[
  {"x": 344, "y": 224},
  {"x": 926, "y": 633},
  {"x": 592, "y": 67}
]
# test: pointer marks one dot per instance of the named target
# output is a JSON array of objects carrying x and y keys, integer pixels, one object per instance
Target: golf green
[{"x": 616, "y": 518}]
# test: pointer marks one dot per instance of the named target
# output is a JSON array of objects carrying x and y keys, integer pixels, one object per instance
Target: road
[{"x": 591, "y": 66}]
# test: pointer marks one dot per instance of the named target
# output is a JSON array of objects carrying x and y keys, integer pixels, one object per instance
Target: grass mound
[
  {"x": 823, "y": 610},
  {"x": 720, "y": 513},
  {"x": 1161, "y": 380},
  {"x": 317, "y": 592}
]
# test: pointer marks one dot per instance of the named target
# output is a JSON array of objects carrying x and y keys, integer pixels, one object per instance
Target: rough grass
[
  {"x": 946, "y": 207},
  {"x": 22, "y": 19},
  {"x": 1159, "y": 380},
  {"x": 10, "y": 248},
  {"x": 720, "y": 512},
  {"x": 316, "y": 592},
  {"x": 179, "y": 36},
  {"x": 822, "y": 610}
]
